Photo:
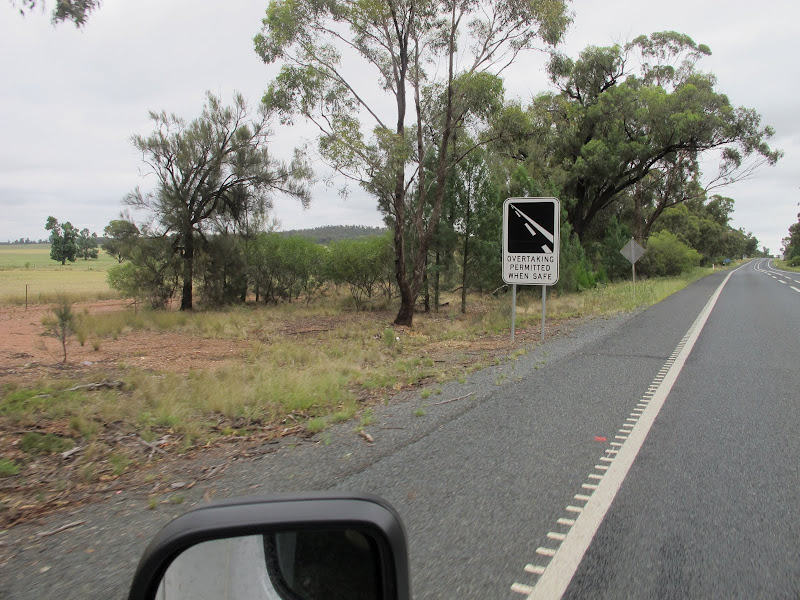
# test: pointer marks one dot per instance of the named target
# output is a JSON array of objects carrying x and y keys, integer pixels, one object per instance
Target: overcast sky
[{"x": 70, "y": 99}]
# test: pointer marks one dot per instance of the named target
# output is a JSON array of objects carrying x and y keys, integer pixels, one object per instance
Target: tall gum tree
[
  {"x": 214, "y": 169},
  {"x": 624, "y": 112},
  {"x": 389, "y": 83}
]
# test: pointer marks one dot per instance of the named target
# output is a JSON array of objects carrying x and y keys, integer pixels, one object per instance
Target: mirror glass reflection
[{"x": 286, "y": 565}]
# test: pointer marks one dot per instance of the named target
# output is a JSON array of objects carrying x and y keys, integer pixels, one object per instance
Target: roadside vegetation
[
  {"x": 302, "y": 367},
  {"x": 320, "y": 332}
]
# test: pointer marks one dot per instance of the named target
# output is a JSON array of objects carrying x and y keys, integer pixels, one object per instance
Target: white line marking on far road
[{"x": 556, "y": 578}]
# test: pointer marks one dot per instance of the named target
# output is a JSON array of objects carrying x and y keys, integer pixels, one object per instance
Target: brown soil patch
[{"x": 28, "y": 354}]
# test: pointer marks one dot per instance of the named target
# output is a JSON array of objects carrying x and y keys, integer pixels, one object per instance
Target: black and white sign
[{"x": 530, "y": 240}]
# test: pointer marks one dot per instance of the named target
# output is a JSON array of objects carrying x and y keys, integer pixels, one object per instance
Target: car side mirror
[{"x": 305, "y": 547}]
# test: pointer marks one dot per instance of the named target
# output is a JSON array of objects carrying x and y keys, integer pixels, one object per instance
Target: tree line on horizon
[{"x": 619, "y": 137}]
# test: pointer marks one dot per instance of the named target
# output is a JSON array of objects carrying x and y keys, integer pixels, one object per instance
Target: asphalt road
[
  {"x": 707, "y": 510},
  {"x": 487, "y": 484}
]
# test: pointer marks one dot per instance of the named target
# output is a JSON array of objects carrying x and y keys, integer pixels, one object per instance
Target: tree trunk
[
  {"x": 405, "y": 316},
  {"x": 188, "y": 271},
  {"x": 426, "y": 287},
  {"x": 464, "y": 268},
  {"x": 637, "y": 219},
  {"x": 436, "y": 283}
]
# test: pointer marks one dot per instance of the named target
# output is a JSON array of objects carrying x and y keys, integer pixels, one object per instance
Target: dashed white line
[
  {"x": 535, "y": 569},
  {"x": 521, "y": 588},
  {"x": 559, "y": 537},
  {"x": 554, "y": 581}
]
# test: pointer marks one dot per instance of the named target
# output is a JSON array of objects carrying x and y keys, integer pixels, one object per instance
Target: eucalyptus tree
[
  {"x": 75, "y": 11},
  {"x": 214, "y": 169},
  {"x": 388, "y": 82},
  {"x": 622, "y": 113},
  {"x": 121, "y": 235},
  {"x": 63, "y": 240},
  {"x": 87, "y": 244}
]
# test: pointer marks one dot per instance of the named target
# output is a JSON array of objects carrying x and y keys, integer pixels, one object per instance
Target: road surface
[{"x": 652, "y": 455}]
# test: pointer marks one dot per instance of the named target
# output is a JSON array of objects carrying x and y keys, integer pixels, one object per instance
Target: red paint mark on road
[{"x": 600, "y": 438}]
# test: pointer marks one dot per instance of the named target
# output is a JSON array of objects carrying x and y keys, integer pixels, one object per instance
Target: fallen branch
[
  {"x": 454, "y": 399},
  {"x": 110, "y": 385},
  {"x": 153, "y": 448},
  {"x": 302, "y": 331},
  {"x": 68, "y": 453},
  {"x": 62, "y": 528}
]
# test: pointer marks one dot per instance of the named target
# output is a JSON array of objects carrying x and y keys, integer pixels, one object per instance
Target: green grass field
[{"x": 46, "y": 279}]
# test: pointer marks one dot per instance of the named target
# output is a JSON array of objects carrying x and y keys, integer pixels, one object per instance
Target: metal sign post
[
  {"x": 513, "y": 309},
  {"x": 530, "y": 247},
  {"x": 633, "y": 252},
  {"x": 544, "y": 307}
]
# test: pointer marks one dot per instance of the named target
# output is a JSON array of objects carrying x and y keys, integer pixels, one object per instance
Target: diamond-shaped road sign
[
  {"x": 531, "y": 241},
  {"x": 632, "y": 251}
]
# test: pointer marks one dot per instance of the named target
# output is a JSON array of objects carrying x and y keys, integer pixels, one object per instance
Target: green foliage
[
  {"x": 614, "y": 266},
  {"x": 75, "y": 11},
  {"x": 791, "y": 243},
  {"x": 151, "y": 274},
  {"x": 361, "y": 265},
  {"x": 121, "y": 237},
  {"x": 613, "y": 123},
  {"x": 213, "y": 174},
  {"x": 87, "y": 244},
  {"x": 222, "y": 270},
  {"x": 44, "y": 443},
  {"x": 667, "y": 256},
  {"x": 576, "y": 273},
  {"x": 284, "y": 268},
  {"x": 704, "y": 227},
  {"x": 63, "y": 323},
  {"x": 63, "y": 240},
  {"x": 8, "y": 468},
  {"x": 405, "y": 159},
  {"x": 331, "y": 233}
]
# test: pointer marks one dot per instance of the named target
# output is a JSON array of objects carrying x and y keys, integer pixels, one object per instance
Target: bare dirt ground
[
  {"x": 27, "y": 354},
  {"x": 48, "y": 483}
]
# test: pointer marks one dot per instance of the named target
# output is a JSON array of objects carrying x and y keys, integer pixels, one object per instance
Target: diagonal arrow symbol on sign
[{"x": 539, "y": 228}]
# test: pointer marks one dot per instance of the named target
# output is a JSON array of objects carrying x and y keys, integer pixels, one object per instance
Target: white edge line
[{"x": 563, "y": 565}]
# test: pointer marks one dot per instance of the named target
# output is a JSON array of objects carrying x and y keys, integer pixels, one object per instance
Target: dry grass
[{"x": 300, "y": 368}]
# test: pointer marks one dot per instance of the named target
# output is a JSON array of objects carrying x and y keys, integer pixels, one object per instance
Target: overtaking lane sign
[{"x": 530, "y": 240}]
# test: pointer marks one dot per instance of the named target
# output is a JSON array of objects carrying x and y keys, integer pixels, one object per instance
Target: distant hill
[{"x": 333, "y": 233}]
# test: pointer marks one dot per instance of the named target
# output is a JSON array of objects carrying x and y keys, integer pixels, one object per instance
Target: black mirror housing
[{"x": 365, "y": 514}]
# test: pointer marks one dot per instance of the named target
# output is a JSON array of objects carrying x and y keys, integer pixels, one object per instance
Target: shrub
[{"x": 667, "y": 256}]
